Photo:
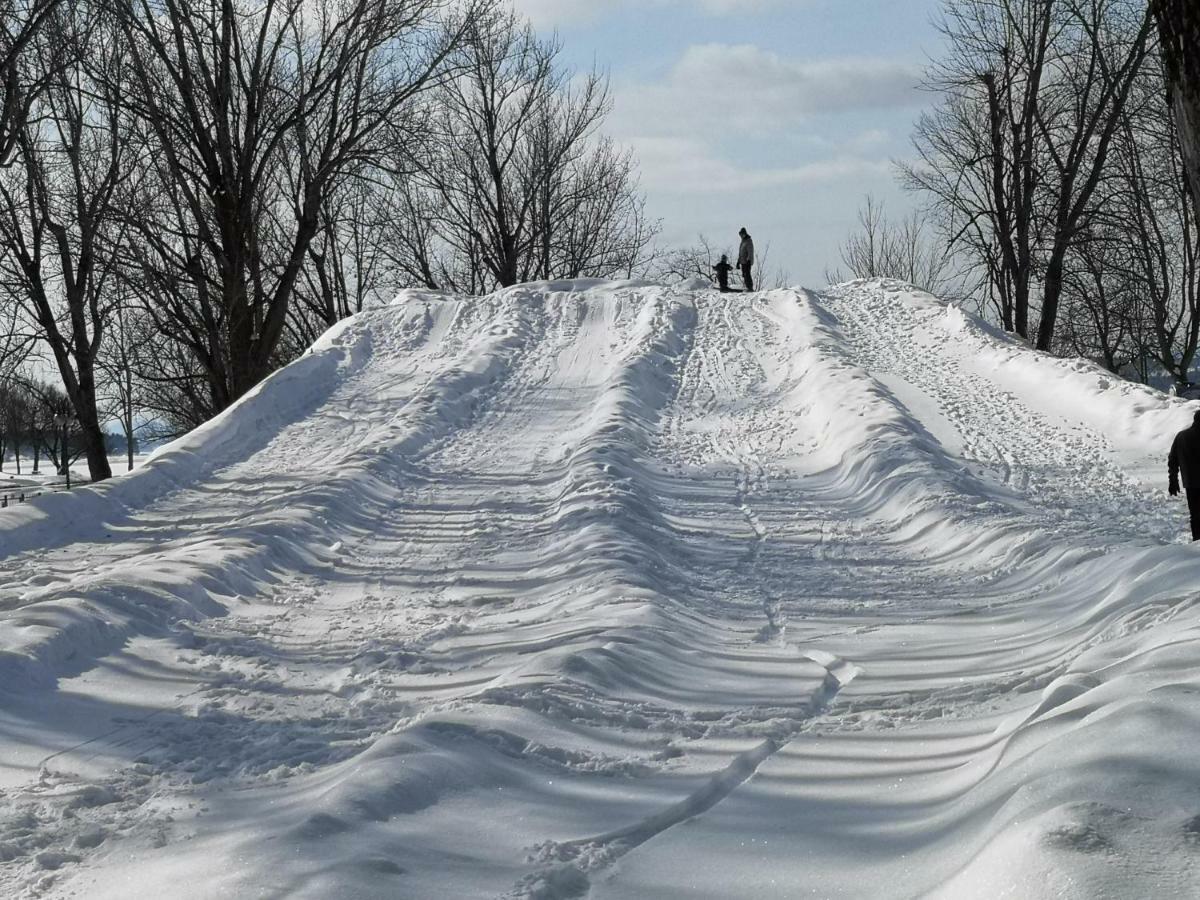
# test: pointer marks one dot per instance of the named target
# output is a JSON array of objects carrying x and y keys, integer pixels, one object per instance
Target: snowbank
[{"x": 618, "y": 590}]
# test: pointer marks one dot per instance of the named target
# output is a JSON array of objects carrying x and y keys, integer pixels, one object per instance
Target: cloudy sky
[{"x": 779, "y": 115}]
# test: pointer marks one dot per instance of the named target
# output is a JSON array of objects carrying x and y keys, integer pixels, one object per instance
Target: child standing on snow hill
[{"x": 723, "y": 268}]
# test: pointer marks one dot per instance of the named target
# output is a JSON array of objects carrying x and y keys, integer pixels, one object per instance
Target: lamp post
[{"x": 61, "y": 421}]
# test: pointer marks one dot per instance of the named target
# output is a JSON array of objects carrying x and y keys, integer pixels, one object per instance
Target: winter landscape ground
[{"x": 619, "y": 591}]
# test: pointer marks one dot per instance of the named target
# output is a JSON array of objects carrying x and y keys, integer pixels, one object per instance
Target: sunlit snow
[{"x": 620, "y": 591}]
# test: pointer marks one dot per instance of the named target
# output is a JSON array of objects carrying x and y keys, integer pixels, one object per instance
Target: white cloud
[
  {"x": 718, "y": 96},
  {"x": 551, "y": 13},
  {"x": 680, "y": 165},
  {"x": 871, "y": 139},
  {"x": 548, "y": 13},
  {"x": 751, "y": 89}
]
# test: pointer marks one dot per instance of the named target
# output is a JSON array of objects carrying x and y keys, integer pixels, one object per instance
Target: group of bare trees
[
  {"x": 1054, "y": 170},
  {"x": 905, "y": 249},
  {"x": 502, "y": 178},
  {"x": 1016, "y": 156},
  {"x": 36, "y": 420},
  {"x": 191, "y": 191},
  {"x": 522, "y": 191}
]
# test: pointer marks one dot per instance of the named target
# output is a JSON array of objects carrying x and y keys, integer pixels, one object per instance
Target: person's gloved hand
[{"x": 1173, "y": 488}]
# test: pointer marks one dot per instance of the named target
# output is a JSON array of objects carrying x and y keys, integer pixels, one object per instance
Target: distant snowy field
[
  {"x": 47, "y": 476},
  {"x": 617, "y": 590}
]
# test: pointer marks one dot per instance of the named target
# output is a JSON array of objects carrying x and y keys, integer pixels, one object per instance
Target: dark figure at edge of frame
[
  {"x": 1185, "y": 458},
  {"x": 746, "y": 258},
  {"x": 723, "y": 268}
]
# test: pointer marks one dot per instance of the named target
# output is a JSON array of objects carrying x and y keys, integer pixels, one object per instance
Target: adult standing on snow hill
[
  {"x": 746, "y": 258},
  {"x": 1185, "y": 457}
]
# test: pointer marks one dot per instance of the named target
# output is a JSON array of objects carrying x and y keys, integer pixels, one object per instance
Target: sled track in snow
[{"x": 618, "y": 590}]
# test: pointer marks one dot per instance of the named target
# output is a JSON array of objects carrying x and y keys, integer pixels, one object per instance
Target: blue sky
[{"x": 779, "y": 115}]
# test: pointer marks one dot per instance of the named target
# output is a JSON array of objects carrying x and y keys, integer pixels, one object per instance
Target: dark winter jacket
[
  {"x": 1185, "y": 457},
  {"x": 746, "y": 252},
  {"x": 723, "y": 269}
]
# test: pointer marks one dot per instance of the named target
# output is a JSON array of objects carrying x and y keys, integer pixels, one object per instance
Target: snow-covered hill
[{"x": 619, "y": 591}]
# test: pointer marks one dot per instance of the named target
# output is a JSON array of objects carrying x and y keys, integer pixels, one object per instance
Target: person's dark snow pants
[
  {"x": 1193, "y": 498},
  {"x": 747, "y": 277}
]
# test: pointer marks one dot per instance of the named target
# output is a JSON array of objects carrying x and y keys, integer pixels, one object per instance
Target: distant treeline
[{"x": 37, "y": 423}]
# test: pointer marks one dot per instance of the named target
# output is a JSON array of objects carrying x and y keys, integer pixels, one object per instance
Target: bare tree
[
  {"x": 256, "y": 115},
  {"x": 1146, "y": 209},
  {"x": 695, "y": 261},
  {"x": 170, "y": 387},
  {"x": 413, "y": 245},
  {"x": 15, "y": 419},
  {"x": 56, "y": 223},
  {"x": 905, "y": 250},
  {"x": 522, "y": 186},
  {"x": 16, "y": 339},
  {"x": 1106, "y": 44},
  {"x": 40, "y": 417},
  {"x": 866, "y": 252},
  {"x": 348, "y": 260},
  {"x": 1032, "y": 94},
  {"x": 762, "y": 266},
  {"x": 589, "y": 217},
  {"x": 976, "y": 150},
  {"x": 1101, "y": 306},
  {"x": 484, "y": 173},
  {"x": 8, "y": 421},
  {"x": 120, "y": 385},
  {"x": 55, "y": 430},
  {"x": 20, "y": 84}
]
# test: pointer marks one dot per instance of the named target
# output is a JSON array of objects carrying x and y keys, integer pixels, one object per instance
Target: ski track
[{"x": 613, "y": 590}]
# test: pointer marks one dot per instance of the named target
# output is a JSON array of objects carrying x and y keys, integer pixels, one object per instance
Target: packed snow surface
[{"x": 619, "y": 591}]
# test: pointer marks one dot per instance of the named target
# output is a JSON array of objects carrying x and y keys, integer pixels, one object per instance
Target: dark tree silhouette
[{"x": 1179, "y": 34}]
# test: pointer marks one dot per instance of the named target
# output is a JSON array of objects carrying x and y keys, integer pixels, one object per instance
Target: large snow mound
[{"x": 619, "y": 590}]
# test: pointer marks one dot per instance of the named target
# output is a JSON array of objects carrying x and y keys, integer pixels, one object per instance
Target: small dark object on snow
[{"x": 1185, "y": 458}]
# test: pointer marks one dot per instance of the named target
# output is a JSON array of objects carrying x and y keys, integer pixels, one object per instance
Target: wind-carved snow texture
[{"x": 619, "y": 590}]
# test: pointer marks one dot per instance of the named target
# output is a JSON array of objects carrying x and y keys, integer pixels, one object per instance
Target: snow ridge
[{"x": 618, "y": 590}]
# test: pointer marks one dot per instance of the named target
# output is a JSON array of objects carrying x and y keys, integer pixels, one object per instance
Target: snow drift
[{"x": 619, "y": 590}]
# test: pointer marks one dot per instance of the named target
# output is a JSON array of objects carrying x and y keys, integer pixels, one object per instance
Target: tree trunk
[
  {"x": 80, "y": 385},
  {"x": 1051, "y": 295},
  {"x": 1011, "y": 217},
  {"x": 84, "y": 401},
  {"x": 128, "y": 418},
  {"x": 1022, "y": 308},
  {"x": 1006, "y": 302},
  {"x": 1179, "y": 30},
  {"x": 96, "y": 452},
  {"x": 241, "y": 332}
]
